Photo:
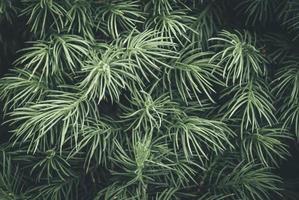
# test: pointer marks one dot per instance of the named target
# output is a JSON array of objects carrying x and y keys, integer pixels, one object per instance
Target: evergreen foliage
[{"x": 148, "y": 99}]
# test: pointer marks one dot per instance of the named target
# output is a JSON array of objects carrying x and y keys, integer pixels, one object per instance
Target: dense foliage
[{"x": 148, "y": 99}]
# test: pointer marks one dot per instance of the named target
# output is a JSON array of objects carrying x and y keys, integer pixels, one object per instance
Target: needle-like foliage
[
  {"x": 246, "y": 181},
  {"x": 290, "y": 116},
  {"x": 50, "y": 164},
  {"x": 267, "y": 145},
  {"x": 280, "y": 47},
  {"x": 20, "y": 87},
  {"x": 96, "y": 140},
  {"x": 239, "y": 56},
  {"x": 147, "y": 99},
  {"x": 286, "y": 88},
  {"x": 261, "y": 11},
  {"x": 158, "y": 7},
  {"x": 192, "y": 74},
  {"x": 55, "y": 190},
  {"x": 148, "y": 50},
  {"x": 80, "y": 18},
  {"x": 7, "y": 10},
  {"x": 147, "y": 165},
  {"x": 205, "y": 25},
  {"x": 10, "y": 179},
  {"x": 69, "y": 51},
  {"x": 252, "y": 103},
  {"x": 44, "y": 15},
  {"x": 38, "y": 58},
  {"x": 174, "y": 25},
  {"x": 107, "y": 74},
  {"x": 291, "y": 17},
  {"x": 55, "y": 120},
  {"x": 192, "y": 133},
  {"x": 55, "y": 57},
  {"x": 114, "y": 17},
  {"x": 287, "y": 81},
  {"x": 146, "y": 113}
]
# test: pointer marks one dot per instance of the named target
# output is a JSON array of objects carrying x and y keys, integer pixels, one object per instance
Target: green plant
[
  {"x": 80, "y": 18},
  {"x": 116, "y": 16},
  {"x": 60, "y": 117},
  {"x": 16, "y": 91},
  {"x": 192, "y": 133},
  {"x": 172, "y": 26},
  {"x": 56, "y": 57},
  {"x": 148, "y": 99},
  {"x": 265, "y": 144},
  {"x": 258, "y": 11},
  {"x": 241, "y": 181},
  {"x": 44, "y": 15},
  {"x": 146, "y": 113},
  {"x": 239, "y": 56},
  {"x": 104, "y": 73},
  {"x": 10, "y": 179},
  {"x": 252, "y": 104},
  {"x": 192, "y": 74}
]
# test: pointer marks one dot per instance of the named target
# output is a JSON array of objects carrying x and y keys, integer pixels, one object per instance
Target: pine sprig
[
  {"x": 97, "y": 140},
  {"x": 80, "y": 18},
  {"x": 10, "y": 179},
  {"x": 266, "y": 145},
  {"x": 55, "y": 57},
  {"x": 44, "y": 15},
  {"x": 241, "y": 181},
  {"x": 290, "y": 116},
  {"x": 147, "y": 113},
  {"x": 132, "y": 99},
  {"x": 106, "y": 74},
  {"x": 56, "y": 120},
  {"x": 192, "y": 74},
  {"x": 50, "y": 164},
  {"x": 148, "y": 164},
  {"x": 7, "y": 10},
  {"x": 149, "y": 51},
  {"x": 252, "y": 103},
  {"x": 174, "y": 25},
  {"x": 258, "y": 11},
  {"x": 287, "y": 81},
  {"x": 114, "y": 17},
  {"x": 190, "y": 134},
  {"x": 239, "y": 56},
  {"x": 20, "y": 87},
  {"x": 55, "y": 190}
]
